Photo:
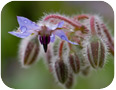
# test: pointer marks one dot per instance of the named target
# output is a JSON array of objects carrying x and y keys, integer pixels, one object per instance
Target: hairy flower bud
[
  {"x": 83, "y": 63},
  {"x": 64, "y": 51},
  {"x": 70, "y": 81},
  {"x": 96, "y": 52},
  {"x": 74, "y": 63},
  {"x": 29, "y": 50},
  {"x": 61, "y": 71},
  {"x": 55, "y": 47}
]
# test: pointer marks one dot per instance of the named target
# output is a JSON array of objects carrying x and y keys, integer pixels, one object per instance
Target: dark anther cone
[
  {"x": 45, "y": 40},
  {"x": 45, "y": 47}
]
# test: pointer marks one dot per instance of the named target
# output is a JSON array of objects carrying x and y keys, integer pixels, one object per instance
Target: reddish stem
[
  {"x": 109, "y": 37},
  {"x": 77, "y": 25},
  {"x": 92, "y": 25},
  {"x": 83, "y": 16},
  {"x": 60, "y": 50}
]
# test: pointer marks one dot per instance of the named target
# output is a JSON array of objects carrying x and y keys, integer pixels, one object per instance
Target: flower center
[
  {"x": 44, "y": 36},
  {"x": 45, "y": 40}
]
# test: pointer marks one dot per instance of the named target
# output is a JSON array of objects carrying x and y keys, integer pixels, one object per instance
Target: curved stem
[
  {"x": 109, "y": 37},
  {"x": 109, "y": 41},
  {"x": 77, "y": 25},
  {"x": 83, "y": 16},
  {"x": 92, "y": 25}
]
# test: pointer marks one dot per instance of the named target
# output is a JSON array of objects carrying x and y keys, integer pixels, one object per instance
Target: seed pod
[
  {"x": 61, "y": 71},
  {"x": 96, "y": 52},
  {"x": 29, "y": 50},
  {"x": 74, "y": 63}
]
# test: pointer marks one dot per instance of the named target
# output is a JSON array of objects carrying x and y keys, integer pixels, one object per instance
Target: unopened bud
[
  {"x": 55, "y": 47},
  {"x": 70, "y": 81},
  {"x": 82, "y": 61},
  {"x": 30, "y": 50},
  {"x": 61, "y": 71},
  {"x": 96, "y": 52},
  {"x": 74, "y": 63},
  {"x": 64, "y": 50},
  {"x": 60, "y": 49}
]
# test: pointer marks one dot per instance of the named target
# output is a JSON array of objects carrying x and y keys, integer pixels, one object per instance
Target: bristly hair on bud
[
  {"x": 55, "y": 47},
  {"x": 84, "y": 65},
  {"x": 95, "y": 49},
  {"x": 96, "y": 52},
  {"x": 64, "y": 51},
  {"x": 74, "y": 63},
  {"x": 59, "y": 64},
  {"x": 70, "y": 81},
  {"x": 61, "y": 71},
  {"x": 29, "y": 50}
]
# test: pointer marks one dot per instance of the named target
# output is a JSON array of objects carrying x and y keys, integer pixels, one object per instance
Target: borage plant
[{"x": 72, "y": 45}]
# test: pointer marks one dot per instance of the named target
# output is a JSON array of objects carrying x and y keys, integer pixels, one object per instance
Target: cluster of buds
[{"x": 71, "y": 45}]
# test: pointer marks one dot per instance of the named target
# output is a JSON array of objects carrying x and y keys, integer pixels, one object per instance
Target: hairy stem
[
  {"x": 77, "y": 25},
  {"x": 92, "y": 25},
  {"x": 83, "y": 16},
  {"x": 109, "y": 39}
]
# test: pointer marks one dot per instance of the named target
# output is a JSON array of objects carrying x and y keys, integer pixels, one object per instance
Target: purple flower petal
[
  {"x": 26, "y": 24},
  {"x": 60, "y": 24},
  {"x": 52, "y": 38},
  {"x": 19, "y": 34},
  {"x": 62, "y": 35}
]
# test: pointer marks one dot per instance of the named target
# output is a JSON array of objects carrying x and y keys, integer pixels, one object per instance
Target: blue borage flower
[{"x": 46, "y": 33}]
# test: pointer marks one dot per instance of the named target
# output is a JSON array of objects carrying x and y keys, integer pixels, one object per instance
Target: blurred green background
[{"x": 38, "y": 76}]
